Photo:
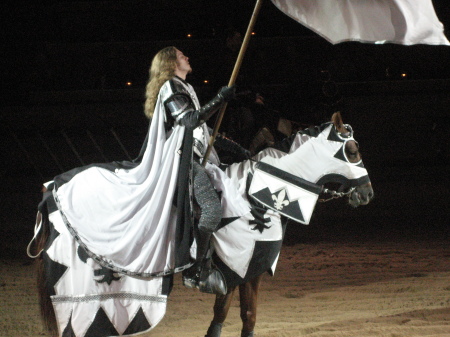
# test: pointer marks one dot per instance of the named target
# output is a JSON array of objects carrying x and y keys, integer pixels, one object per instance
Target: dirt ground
[{"x": 319, "y": 290}]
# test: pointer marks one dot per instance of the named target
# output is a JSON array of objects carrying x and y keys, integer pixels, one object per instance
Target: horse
[
  {"x": 360, "y": 194},
  {"x": 81, "y": 297}
]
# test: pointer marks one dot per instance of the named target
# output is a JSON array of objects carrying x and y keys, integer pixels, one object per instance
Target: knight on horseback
[
  {"x": 111, "y": 235},
  {"x": 181, "y": 107}
]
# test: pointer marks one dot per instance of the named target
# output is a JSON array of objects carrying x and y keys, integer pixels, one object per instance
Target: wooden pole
[{"x": 234, "y": 75}]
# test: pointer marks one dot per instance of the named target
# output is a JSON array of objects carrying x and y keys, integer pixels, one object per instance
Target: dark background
[{"x": 74, "y": 75}]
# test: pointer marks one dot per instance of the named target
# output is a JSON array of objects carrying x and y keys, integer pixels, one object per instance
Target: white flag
[{"x": 377, "y": 21}]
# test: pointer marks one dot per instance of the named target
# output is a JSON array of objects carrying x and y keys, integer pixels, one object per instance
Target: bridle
[{"x": 335, "y": 194}]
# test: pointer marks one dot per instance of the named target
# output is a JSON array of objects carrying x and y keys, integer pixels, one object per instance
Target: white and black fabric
[
  {"x": 292, "y": 196},
  {"x": 120, "y": 230},
  {"x": 93, "y": 301}
]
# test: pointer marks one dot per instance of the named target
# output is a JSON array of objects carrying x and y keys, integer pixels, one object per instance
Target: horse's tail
[{"x": 45, "y": 303}]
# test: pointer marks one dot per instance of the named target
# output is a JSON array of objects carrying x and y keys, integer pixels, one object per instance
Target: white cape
[
  {"x": 122, "y": 215},
  {"x": 126, "y": 219}
]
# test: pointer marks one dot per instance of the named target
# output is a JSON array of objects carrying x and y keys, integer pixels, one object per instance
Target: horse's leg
[
  {"x": 248, "y": 293},
  {"x": 221, "y": 307}
]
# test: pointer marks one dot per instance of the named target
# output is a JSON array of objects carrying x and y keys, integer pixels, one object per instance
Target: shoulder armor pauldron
[{"x": 177, "y": 100}]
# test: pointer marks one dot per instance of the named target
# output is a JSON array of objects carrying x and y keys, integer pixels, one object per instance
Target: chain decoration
[{"x": 335, "y": 194}]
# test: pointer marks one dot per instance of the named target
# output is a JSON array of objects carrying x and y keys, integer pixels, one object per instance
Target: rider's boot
[
  {"x": 191, "y": 277},
  {"x": 203, "y": 274}
]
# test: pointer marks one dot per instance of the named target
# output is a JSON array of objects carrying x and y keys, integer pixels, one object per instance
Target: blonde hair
[{"x": 162, "y": 69}]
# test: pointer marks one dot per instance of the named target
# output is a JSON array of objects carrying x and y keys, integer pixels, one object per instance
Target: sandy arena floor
[{"x": 319, "y": 290}]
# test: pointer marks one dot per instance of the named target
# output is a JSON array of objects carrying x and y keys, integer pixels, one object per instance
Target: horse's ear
[{"x": 338, "y": 123}]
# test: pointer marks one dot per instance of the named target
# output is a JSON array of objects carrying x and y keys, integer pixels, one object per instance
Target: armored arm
[{"x": 182, "y": 109}]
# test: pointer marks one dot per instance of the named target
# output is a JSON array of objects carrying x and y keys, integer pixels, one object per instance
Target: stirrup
[{"x": 212, "y": 281}]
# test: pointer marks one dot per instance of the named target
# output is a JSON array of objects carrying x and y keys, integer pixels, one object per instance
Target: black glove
[{"x": 227, "y": 93}]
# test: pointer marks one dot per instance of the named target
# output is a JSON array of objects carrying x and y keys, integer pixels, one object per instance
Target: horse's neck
[
  {"x": 239, "y": 172},
  {"x": 284, "y": 156},
  {"x": 310, "y": 156}
]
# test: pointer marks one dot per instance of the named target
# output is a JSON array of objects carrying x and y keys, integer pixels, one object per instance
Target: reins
[{"x": 335, "y": 194}]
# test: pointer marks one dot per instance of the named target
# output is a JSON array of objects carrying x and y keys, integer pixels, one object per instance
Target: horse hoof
[
  {"x": 214, "y": 330},
  {"x": 247, "y": 334}
]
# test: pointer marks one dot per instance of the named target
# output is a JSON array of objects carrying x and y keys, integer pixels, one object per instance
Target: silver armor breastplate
[
  {"x": 201, "y": 141},
  {"x": 201, "y": 133}
]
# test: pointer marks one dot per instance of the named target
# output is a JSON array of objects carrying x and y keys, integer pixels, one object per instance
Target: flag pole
[{"x": 234, "y": 75}]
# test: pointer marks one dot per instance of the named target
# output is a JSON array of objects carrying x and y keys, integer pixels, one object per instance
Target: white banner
[{"x": 404, "y": 22}]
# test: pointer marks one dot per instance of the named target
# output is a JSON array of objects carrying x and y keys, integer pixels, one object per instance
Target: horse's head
[
  {"x": 328, "y": 155},
  {"x": 289, "y": 178},
  {"x": 359, "y": 187}
]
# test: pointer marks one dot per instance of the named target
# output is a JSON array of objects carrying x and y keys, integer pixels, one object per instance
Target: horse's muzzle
[{"x": 361, "y": 195}]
